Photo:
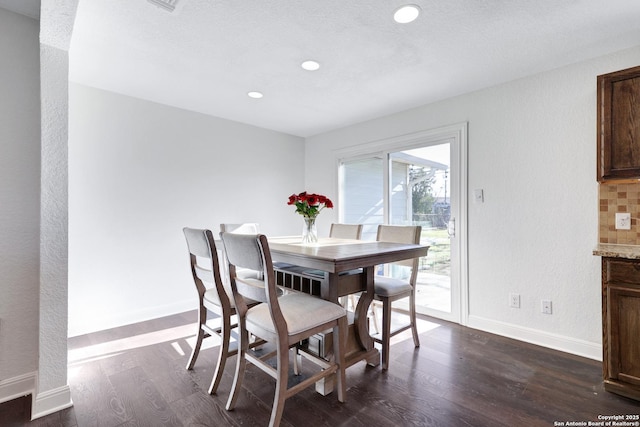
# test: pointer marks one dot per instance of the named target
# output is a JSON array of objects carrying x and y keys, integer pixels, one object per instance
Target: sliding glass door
[{"x": 416, "y": 182}]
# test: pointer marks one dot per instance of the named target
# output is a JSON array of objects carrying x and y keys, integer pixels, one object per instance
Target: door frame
[{"x": 456, "y": 135}]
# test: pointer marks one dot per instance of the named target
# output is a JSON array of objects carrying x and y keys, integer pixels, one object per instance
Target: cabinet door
[
  {"x": 619, "y": 125},
  {"x": 624, "y": 334}
]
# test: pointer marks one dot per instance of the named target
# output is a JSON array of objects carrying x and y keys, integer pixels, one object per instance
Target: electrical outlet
[
  {"x": 546, "y": 306},
  {"x": 623, "y": 221},
  {"x": 514, "y": 300}
]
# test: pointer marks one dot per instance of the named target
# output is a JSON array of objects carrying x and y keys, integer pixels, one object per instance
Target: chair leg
[
  {"x": 281, "y": 384},
  {"x": 412, "y": 313},
  {"x": 374, "y": 316},
  {"x": 196, "y": 348},
  {"x": 241, "y": 363},
  {"x": 297, "y": 361},
  {"x": 223, "y": 355},
  {"x": 340, "y": 343},
  {"x": 386, "y": 332},
  {"x": 344, "y": 301}
]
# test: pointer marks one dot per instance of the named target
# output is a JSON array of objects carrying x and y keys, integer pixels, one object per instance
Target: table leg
[
  {"x": 362, "y": 310},
  {"x": 369, "y": 352},
  {"x": 364, "y": 346}
]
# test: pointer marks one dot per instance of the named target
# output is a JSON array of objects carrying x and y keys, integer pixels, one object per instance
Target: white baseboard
[
  {"x": 51, "y": 401},
  {"x": 42, "y": 404},
  {"x": 563, "y": 343},
  {"x": 19, "y": 386},
  {"x": 116, "y": 318}
]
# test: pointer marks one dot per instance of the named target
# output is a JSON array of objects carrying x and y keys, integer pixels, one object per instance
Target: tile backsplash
[{"x": 619, "y": 197}]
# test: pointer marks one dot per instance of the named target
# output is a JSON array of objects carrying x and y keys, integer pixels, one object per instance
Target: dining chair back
[
  {"x": 345, "y": 231},
  {"x": 389, "y": 289},
  {"x": 401, "y": 234},
  {"x": 212, "y": 298},
  {"x": 251, "y": 228},
  {"x": 348, "y": 231},
  {"x": 284, "y": 321}
]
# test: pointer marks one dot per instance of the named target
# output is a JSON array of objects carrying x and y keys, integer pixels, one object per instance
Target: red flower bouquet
[{"x": 309, "y": 205}]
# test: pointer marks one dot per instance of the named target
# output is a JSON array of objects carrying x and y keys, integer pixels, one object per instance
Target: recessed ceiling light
[
  {"x": 255, "y": 94},
  {"x": 407, "y": 13},
  {"x": 310, "y": 65}
]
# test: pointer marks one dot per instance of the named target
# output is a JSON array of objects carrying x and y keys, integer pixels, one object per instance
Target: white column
[{"x": 56, "y": 24}]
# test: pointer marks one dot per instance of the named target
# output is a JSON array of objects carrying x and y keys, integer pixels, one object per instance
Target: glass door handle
[{"x": 451, "y": 228}]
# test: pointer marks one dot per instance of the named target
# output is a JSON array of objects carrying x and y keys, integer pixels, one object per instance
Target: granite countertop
[{"x": 618, "y": 251}]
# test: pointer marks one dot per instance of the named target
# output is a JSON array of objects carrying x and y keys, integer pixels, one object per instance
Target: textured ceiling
[{"x": 208, "y": 54}]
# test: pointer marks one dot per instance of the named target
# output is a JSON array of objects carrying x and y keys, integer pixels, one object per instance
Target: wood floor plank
[
  {"x": 93, "y": 391},
  {"x": 199, "y": 409},
  {"x": 142, "y": 399}
]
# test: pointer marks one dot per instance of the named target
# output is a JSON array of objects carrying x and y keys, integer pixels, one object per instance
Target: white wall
[
  {"x": 138, "y": 173},
  {"x": 532, "y": 148},
  {"x": 19, "y": 195}
]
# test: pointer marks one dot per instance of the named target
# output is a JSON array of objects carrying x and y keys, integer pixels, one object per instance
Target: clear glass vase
[{"x": 309, "y": 231}]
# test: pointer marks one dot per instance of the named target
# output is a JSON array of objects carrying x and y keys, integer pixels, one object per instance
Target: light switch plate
[
  {"x": 623, "y": 221},
  {"x": 478, "y": 196}
]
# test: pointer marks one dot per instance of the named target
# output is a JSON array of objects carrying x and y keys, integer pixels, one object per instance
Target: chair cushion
[
  {"x": 390, "y": 287},
  {"x": 211, "y": 296},
  {"x": 300, "y": 311}
]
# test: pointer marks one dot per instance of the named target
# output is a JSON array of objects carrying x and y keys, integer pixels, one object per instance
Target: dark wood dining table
[{"x": 341, "y": 267}]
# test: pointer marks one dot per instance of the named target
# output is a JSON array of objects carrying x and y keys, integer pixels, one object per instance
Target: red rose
[
  {"x": 312, "y": 199},
  {"x": 328, "y": 203},
  {"x": 292, "y": 199}
]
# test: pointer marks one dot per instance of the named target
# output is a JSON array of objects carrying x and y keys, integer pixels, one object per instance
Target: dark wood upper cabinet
[{"x": 619, "y": 125}]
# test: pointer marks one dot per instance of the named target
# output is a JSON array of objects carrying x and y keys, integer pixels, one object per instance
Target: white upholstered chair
[
  {"x": 389, "y": 289},
  {"x": 212, "y": 298},
  {"x": 246, "y": 228},
  {"x": 283, "y": 321},
  {"x": 251, "y": 228}
]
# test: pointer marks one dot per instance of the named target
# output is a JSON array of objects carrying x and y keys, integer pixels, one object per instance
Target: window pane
[{"x": 362, "y": 194}]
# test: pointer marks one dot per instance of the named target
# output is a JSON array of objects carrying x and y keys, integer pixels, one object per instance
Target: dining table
[{"x": 333, "y": 268}]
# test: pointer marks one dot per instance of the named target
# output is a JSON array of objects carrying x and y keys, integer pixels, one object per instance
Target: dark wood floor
[{"x": 135, "y": 376}]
